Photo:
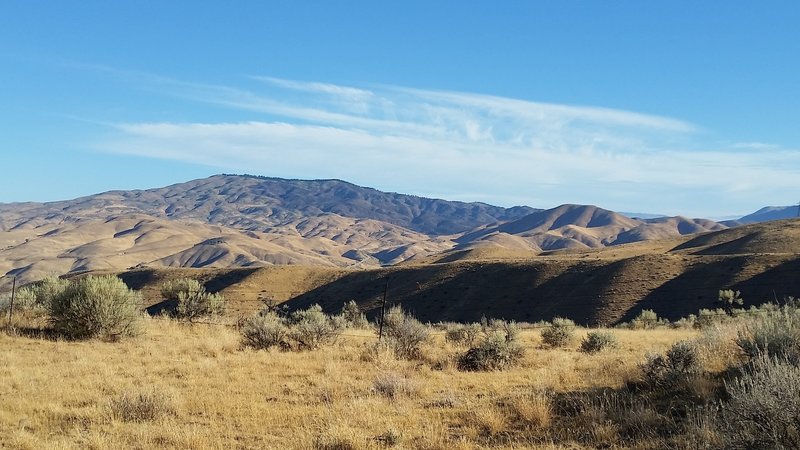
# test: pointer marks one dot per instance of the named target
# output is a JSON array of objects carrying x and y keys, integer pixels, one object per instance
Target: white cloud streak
[{"x": 466, "y": 146}]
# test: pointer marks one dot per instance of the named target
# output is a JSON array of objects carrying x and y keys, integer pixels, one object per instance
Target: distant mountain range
[
  {"x": 772, "y": 213},
  {"x": 239, "y": 220}
]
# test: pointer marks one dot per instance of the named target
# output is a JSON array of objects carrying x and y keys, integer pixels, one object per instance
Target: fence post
[
  {"x": 383, "y": 309},
  {"x": 13, "y": 291}
]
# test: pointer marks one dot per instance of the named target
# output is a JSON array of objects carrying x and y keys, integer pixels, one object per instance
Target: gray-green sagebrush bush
[
  {"x": 101, "y": 307},
  {"x": 775, "y": 334},
  {"x": 193, "y": 301},
  {"x": 596, "y": 341},
  {"x": 352, "y": 316},
  {"x": 763, "y": 406},
  {"x": 560, "y": 332},
  {"x": 404, "y": 333},
  {"x": 265, "y": 331},
  {"x": 305, "y": 329},
  {"x": 498, "y": 349}
]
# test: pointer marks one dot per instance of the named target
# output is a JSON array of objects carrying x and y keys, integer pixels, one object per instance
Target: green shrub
[
  {"x": 311, "y": 328},
  {"x": 96, "y": 307},
  {"x": 353, "y": 317},
  {"x": 559, "y": 333},
  {"x": 670, "y": 370},
  {"x": 404, "y": 333},
  {"x": 265, "y": 331},
  {"x": 763, "y": 406},
  {"x": 596, "y": 341},
  {"x": 497, "y": 350}
]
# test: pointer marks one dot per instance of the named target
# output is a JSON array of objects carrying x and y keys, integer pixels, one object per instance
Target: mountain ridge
[{"x": 247, "y": 220}]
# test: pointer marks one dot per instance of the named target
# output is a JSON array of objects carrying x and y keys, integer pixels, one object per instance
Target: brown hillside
[
  {"x": 780, "y": 236},
  {"x": 604, "y": 286}
]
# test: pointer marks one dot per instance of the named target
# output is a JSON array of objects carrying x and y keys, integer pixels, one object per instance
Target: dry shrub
[
  {"x": 330, "y": 442},
  {"x": 489, "y": 420},
  {"x": 763, "y": 407},
  {"x": 496, "y": 351},
  {"x": 142, "y": 406},
  {"x": 775, "y": 334},
  {"x": 265, "y": 331},
  {"x": 596, "y": 341},
  {"x": 390, "y": 437},
  {"x": 353, "y": 317},
  {"x": 534, "y": 410},
  {"x": 311, "y": 328},
  {"x": 193, "y": 301},
  {"x": 647, "y": 319},
  {"x": 172, "y": 288},
  {"x": 559, "y": 333},
  {"x": 404, "y": 333},
  {"x": 393, "y": 385},
  {"x": 672, "y": 369},
  {"x": 101, "y": 307},
  {"x": 463, "y": 334},
  {"x": 377, "y": 352},
  {"x": 717, "y": 347}
]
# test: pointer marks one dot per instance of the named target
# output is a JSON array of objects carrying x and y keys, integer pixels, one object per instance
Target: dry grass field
[{"x": 194, "y": 387}]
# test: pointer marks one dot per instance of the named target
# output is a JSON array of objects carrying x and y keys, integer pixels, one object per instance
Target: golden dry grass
[{"x": 193, "y": 387}]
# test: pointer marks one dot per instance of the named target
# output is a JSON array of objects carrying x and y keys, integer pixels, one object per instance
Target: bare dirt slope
[
  {"x": 674, "y": 277},
  {"x": 125, "y": 241}
]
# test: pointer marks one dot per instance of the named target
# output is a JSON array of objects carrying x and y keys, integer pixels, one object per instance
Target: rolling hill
[
  {"x": 771, "y": 213},
  {"x": 328, "y": 241},
  {"x": 228, "y": 221},
  {"x": 604, "y": 286}
]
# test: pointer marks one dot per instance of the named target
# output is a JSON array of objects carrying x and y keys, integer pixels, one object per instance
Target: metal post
[
  {"x": 13, "y": 291},
  {"x": 383, "y": 309}
]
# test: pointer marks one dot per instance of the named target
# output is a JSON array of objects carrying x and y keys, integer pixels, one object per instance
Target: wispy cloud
[{"x": 463, "y": 145}]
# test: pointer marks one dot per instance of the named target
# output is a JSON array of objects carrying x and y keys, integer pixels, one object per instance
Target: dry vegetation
[
  {"x": 304, "y": 379},
  {"x": 194, "y": 386}
]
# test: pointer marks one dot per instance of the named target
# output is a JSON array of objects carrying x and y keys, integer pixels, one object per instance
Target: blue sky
[{"x": 673, "y": 107}]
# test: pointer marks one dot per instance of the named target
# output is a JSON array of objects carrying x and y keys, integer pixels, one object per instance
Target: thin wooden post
[
  {"x": 13, "y": 291},
  {"x": 383, "y": 309}
]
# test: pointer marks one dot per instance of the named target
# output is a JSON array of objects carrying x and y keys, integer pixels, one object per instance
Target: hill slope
[
  {"x": 771, "y": 213},
  {"x": 595, "y": 286},
  {"x": 259, "y": 204},
  {"x": 243, "y": 221}
]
